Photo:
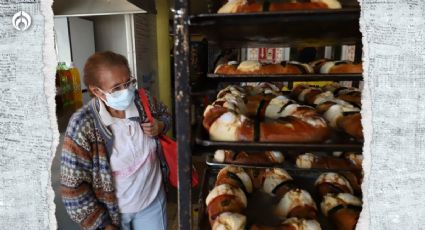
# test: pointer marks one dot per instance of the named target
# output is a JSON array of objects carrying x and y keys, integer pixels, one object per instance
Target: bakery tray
[
  {"x": 261, "y": 201},
  {"x": 338, "y": 142},
  {"x": 276, "y": 29},
  {"x": 287, "y": 165},
  {"x": 284, "y": 77}
]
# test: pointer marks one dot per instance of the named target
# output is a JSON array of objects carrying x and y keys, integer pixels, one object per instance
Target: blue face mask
[{"x": 120, "y": 100}]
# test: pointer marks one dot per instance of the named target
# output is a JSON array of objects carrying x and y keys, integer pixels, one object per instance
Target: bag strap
[
  {"x": 145, "y": 104},
  {"x": 164, "y": 168}
]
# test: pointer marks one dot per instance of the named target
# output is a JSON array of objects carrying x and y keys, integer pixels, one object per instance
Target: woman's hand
[{"x": 152, "y": 130}]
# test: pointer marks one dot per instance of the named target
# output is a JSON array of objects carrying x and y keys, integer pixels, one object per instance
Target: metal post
[
  {"x": 358, "y": 58},
  {"x": 182, "y": 105}
]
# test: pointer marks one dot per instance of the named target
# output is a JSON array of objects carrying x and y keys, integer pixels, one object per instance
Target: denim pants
[{"x": 153, "y": 217}]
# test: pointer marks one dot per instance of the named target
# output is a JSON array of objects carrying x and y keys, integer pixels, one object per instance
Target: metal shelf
[
  {"x": 293, "y": 28},
  {"x": 285, "y": 77},
  {"x": 287, "y": 165},
  {"x": 304, "y": 180},
  {"x": 338, "y": 142}
]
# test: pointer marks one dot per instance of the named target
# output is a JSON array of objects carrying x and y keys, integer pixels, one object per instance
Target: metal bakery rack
[
  {"x": 294, "y": 28},
  {"x": 259, "y": 201},
  {"x": 285, "y": 77}
]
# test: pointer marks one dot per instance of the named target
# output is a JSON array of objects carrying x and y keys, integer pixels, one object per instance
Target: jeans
[{"x": 153, "y": 217}]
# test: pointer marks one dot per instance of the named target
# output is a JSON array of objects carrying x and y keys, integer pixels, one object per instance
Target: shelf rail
[{"x": 182, "y": 112}]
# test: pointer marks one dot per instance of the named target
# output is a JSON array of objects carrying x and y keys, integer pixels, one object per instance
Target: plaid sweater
[{"x": 87, "y": 187}]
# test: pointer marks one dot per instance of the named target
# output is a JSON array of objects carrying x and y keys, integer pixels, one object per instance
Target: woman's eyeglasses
[{"x": 125, "y": 85}]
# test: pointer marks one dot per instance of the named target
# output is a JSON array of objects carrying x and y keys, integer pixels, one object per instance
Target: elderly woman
[{"x": 110, "y": 169}]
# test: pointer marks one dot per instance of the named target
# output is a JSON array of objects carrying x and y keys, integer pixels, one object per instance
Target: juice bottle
[
  {"x": 70, "y": 90},
  {"x": 65, "y": 85},
  {"x": 76, "y": 87}
]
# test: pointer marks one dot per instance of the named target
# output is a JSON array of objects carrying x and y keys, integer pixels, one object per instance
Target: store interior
[
  {"x": 140, "y": 32},
  {"x": 318, "y": 52}
]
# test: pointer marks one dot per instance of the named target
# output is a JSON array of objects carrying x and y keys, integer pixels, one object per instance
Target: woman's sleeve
[
  {"x": 161, "y": 112},
  {"x": 76, "y": 191},
  {"x": 163, "y": 115}
]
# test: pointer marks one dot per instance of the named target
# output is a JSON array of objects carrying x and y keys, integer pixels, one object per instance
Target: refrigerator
[{"x": 131, "y": 35}]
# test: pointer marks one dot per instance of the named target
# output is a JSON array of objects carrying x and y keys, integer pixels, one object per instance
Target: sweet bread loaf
[
  {"x": 344, "y": 116},
  {"x": 294, "y": 223},
  {"x": 225, "y": 198},
  {"x": 234, "y": 90},
  {"x": 316, "y": 64},
  {"x": 240, "y": 6},
  {"x": 232, "y": 102},
  {"x": 261, "y": 88},
  {"x": 292, "y": 129},
  {"x": 332, "y": 4},
  {"x": 355, "y": 179},
  {"x": 351, "y": 124},
  {"x": 257, "y": 177},
  {"x": 226, "y": 125},
  {"x": 229, "y": 221},
  {"x": 277, "y": 182},
  {"x": 246, "y": 100},
  {"x": 274, "y": 109},
  {"x": 342, "y": 209},
  {"x": 333, "y": 92},
  {"x": 227, "y": 119},
  {"x": 297, "y": 203},
  {"x": 234, "y": 176},
  {"x": 242, "y": 157},
  {"x": 255, "y": 67},
  {"x": 352, "y": 96},
  {"x": 227, "y": 202},
  {"x": 355, "y": 159},
  {"x": 310, "y": 95},
  {"x": 331, "y": 182},
  {"x": 331, "y": 87},
  {"x": 294, "y": 123},
  {"x": 309, "y": 160},
  {"x": 340, "y": 67},
  {"x": 228, "y": 68}
]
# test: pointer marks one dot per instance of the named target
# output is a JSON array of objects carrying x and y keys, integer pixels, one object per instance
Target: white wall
[
  {"x": 114, "y": 33},
  {"x": 110, "y": 33},
  {"x": 82, "y": 42},
  {"x": 62, "y": 43}
]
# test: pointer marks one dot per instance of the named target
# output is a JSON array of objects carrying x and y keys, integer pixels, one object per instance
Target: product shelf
[
  {"x": 285, "y": 77},
  {"x": 267, "y": 29},
  {"x": 278, "y": 29},
  {"x": 258, "y": 200}
]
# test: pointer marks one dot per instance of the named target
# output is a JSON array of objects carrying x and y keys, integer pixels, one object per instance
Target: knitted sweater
[{"x": 87, "y": 187}]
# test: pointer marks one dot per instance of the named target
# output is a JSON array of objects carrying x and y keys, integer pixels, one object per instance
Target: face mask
[{"x": 120, "y": 100}]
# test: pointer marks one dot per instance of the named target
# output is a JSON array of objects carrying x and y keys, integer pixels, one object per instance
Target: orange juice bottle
[
  {"x": 66, "y": 87},
  {"x": 77, "y": 94}
]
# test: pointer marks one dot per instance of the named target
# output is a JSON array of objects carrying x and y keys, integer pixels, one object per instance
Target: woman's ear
[{"x": 94, "y": 91}]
